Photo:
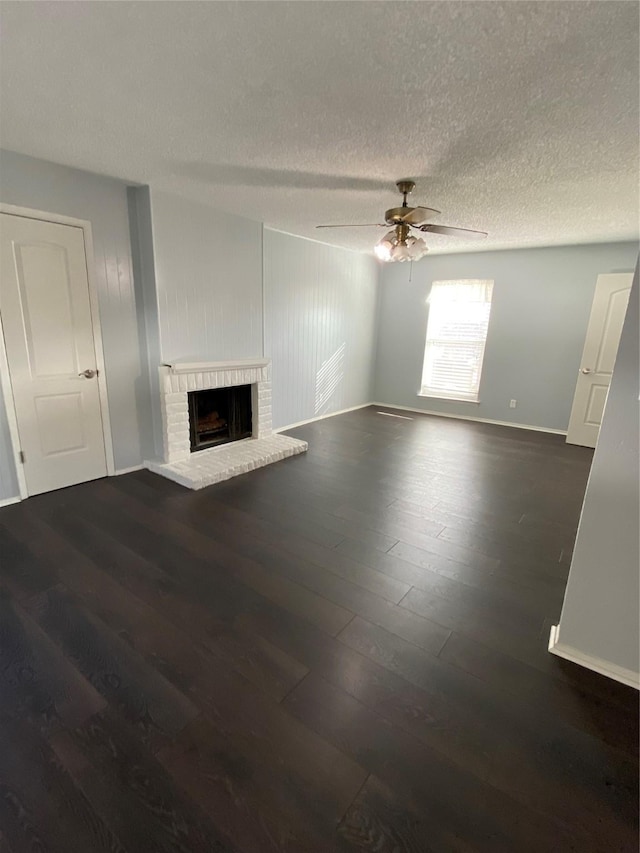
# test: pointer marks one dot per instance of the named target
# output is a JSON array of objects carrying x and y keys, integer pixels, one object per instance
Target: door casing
[{"x": 5, "y": 377}]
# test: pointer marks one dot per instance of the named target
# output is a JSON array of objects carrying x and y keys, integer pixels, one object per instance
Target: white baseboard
[
  {"x": 604, "y": 667},
  {"x": 470, "y": 418},
  {"x": 9, "y": 501},
  {"x": 322, "y": 417},
  {"x": 128, "y": 470}
]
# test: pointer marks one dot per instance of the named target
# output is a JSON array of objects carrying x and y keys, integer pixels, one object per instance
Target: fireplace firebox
[{"x": 219, "y": 415}]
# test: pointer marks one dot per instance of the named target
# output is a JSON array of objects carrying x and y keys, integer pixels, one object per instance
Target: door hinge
[{"x": 22, "y": 456}]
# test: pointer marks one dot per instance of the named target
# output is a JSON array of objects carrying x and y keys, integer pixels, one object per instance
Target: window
[{"x": 456, "y": 335}]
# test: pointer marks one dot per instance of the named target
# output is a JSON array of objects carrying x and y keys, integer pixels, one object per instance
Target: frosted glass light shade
[{"x": 391, "y": 249}]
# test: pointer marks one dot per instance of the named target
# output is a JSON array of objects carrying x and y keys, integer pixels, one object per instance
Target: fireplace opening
[{"x": 219, "y": 415}]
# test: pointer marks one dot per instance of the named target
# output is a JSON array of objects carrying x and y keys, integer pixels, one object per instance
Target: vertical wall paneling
[
  {"x": 31, "y": 183},
  {"x": 541, "y": 304},
  {"x": 320, "y": 309},
  {"x": 208, "y": 270}
]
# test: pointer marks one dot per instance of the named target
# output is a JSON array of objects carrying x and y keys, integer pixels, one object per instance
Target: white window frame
[{"x": 449, "y": 292}]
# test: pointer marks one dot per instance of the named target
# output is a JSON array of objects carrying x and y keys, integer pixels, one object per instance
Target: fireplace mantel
[
  {"x": 177, "y": 380},
  {"x": 211, "y": 366}
]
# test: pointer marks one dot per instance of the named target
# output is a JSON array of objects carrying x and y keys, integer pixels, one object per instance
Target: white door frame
[{"x": 5, "y": 377}]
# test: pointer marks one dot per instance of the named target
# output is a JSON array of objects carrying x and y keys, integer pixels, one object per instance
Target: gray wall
[
  {"x": 208, "y": 269},
  {"x": 600, "y": 615},
  {"x": 541, "y": 304},
  {"x": 36, "y": 184},
  {"x": 320, "y": 317}
]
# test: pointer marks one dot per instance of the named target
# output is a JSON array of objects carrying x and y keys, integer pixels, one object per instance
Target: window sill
[{"x": 450, "y": 399}]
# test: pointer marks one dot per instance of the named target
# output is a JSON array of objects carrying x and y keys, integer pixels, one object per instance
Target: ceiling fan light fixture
[
  {"x": 392, "y": 248},
  {"x": 417, "y": 248},
  {"x": 383, "y": 250}
]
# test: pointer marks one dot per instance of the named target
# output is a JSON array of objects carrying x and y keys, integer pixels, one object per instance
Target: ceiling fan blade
[
  {"x": 356, "y": 225},
  {"x": 419, "y": 214},
  {"x": 449, "y": 230}
]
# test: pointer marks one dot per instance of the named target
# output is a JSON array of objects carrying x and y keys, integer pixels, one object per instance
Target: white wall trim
[
  {"x": 14, "y": 435},
  {"x": 5, "y": 378},
  {"x": 322, "y": 417},
  {"x": 470, "y": 418},
  {"x": 9, "y": 501},
  {"x": 604, "y": 667},
  {"x": 129, "y": 470}
]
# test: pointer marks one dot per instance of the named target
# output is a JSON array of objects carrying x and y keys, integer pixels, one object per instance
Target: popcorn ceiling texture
[{"x": 520, "y": 118}]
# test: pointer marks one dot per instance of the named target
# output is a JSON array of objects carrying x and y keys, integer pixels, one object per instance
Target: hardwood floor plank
[
  {"x": 157, "y": 709},
  {"x": 424, "y": 633},
  {"x": 418, "y": 630},
  {"x": 221, "y": 522},
  {"x": 390, "y": 519},
  {"x": 143, "y": 535},
  {"x": 51, "y": 692},
  {"x": 222, "y": 576},
  {"x": 379, "y": 583},
  {"x": 345, "y": 651},
  {"x": 274, "y": 740},
  {"x": 133, "y": 793},
  {"x": 40, "y": 807},
  {"x": 20, "y": 571},
  {"x": 461, "y": 812},
  {"x": 494, "y": 591},
  {"x": 491, "y": 526},
  {"x": 494, "y": 715},
  {"x": 567, "y": 775},
  {"x": 505, "y": 545},
  {"x": 427, "y": 713},
  {"x": 475, "y": 616},
  {"x": 316, "y": 511},
  {"x": 607, "y": 719},
  {"x": 434, "y": 562},
  {"x": 378, "y": 821},
  {"x": 308, "y": 528},
  {"x": 133, "y": 617},
  {"x": 255, "y": 803}
]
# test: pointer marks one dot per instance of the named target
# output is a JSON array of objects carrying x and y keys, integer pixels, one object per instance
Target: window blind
[{"x": 456, "y": 335}]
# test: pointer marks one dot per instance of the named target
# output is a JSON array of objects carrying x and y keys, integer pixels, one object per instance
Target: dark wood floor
[{"x": 345, "y": 651}]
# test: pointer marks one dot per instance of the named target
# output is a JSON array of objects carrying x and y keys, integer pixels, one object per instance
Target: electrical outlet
[{"x": 513, "y": 404}]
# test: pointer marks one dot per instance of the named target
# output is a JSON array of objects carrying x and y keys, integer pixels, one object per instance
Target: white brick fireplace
[{"x": 197, "y": 470}]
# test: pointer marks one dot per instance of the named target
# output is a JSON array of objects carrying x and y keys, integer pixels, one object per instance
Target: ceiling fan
[{"x": 400, "y": 244}]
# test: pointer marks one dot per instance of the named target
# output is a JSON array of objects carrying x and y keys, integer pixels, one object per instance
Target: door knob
[
  {"x": 586, "y": 370},
  {"x": 88, "y": 373}
]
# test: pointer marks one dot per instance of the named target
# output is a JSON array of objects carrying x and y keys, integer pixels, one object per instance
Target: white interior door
[
  {"x": 598, "y": 357},
  {"x": 48, "y": 331}
]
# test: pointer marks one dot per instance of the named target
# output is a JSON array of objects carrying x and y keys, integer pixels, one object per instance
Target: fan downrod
[{"x": 405, "y": 187}]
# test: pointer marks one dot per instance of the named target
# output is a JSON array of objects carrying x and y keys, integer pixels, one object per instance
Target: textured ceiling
[{"x": 518, "y": 118}]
